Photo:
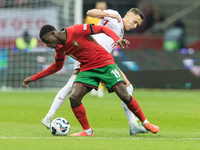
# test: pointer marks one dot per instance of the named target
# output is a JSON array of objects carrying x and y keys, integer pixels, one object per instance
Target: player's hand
[
  {"x": 116, "y": 16},
  {"x": 195, "y": 70},
  {"x": 26, "y": 81},
  {"x": 121, "y": 42}
]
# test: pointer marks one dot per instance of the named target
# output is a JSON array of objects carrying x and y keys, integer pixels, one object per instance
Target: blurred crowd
[
  {"x": 153, "y": 15},
  {"x": 24, "y": 3},
  {"x": 153, "y": 22}
]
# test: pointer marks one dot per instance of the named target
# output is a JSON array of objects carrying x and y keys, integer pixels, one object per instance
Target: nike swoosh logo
[
  {"x": 61, "y": 98},
  {"x": 137, "y": 110},
  {"x": 63, "y": 128},
  {"x": 118, "y": 79}
]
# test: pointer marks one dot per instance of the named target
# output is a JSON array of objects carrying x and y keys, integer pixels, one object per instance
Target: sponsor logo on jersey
[{"x": 75, "y": 43}]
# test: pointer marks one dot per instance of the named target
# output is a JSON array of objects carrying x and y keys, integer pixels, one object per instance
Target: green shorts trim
[{"x": 109, "y": 75}]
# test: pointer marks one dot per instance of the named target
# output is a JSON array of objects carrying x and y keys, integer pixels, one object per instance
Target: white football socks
[
  {"x": 88, "y": 131},
  {"x": 144, "y": 122},
  {"x": 62, "y": 95},
  {"x": 132, "y": 120}
]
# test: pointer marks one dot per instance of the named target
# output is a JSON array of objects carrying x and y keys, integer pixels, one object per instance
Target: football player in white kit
[{"x": 112, "y": 19}]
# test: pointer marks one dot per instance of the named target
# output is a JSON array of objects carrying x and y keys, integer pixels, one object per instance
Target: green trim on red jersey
[
  {"x": 90, "y": 36},
  {"x": 92, "y": 31}
]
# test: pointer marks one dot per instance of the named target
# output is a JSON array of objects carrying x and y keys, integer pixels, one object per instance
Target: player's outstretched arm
[
  {"x": 104, "y": 29},
  {"x": 53, "y": 68},
  {"x": 96, "y": 13},
  {"x": 56, "y": 66}
]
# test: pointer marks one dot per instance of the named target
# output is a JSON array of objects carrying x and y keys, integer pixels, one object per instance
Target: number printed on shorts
[{"x": 117, "y": 74}]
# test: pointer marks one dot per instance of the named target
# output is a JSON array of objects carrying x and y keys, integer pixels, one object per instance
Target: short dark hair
[
  {"x": 137, "y": 12},
  {"x": 45, "y": 29}
]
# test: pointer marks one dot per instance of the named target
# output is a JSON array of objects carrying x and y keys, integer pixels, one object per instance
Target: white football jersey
[
  {"x": 104, "y": 40},
  {"x": 118, "y": 28}
]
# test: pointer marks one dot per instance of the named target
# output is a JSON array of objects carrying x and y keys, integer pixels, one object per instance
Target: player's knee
[
  {"x": 125, "y": 97},
  {"x": 121, "y": 91},
  {"x": 74, "y": 100}
]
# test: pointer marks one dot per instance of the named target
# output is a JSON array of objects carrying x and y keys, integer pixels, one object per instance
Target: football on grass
[{"x": 60, "y": 126}]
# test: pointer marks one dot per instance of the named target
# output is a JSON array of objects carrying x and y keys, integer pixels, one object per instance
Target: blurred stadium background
[{"x": 148, "y": 62}]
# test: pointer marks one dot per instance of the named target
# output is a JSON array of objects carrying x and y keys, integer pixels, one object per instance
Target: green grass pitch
[{"x": 176, "y": 112}]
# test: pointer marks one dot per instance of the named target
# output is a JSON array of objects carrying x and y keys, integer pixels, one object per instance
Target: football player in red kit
[{"x": 96, "y": 65}]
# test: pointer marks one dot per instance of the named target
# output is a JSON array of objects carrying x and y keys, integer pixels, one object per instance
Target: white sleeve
[
  {"x": 112, "y": 21},
  {"x": 111, "y": 12}
]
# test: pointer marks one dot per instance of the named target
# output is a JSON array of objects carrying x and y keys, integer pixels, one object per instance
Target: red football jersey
[{"x": 82, "y": 47}]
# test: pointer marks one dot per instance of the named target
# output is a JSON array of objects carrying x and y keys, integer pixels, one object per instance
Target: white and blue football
[{"x": 60, "y": 126}]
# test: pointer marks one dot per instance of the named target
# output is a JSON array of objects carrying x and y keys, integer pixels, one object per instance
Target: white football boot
[{"x": 46, "y": 121}]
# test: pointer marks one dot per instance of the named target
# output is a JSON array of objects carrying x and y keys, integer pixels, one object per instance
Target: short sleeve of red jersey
[
  {"x": 84, "y": 29},
  {"x": 89, "y": 29}
]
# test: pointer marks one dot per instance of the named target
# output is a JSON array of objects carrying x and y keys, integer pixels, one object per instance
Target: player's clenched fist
[{"x": 26, "y": 81}]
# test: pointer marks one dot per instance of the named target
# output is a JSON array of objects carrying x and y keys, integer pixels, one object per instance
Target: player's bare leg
[
  {"x": 134, "y": 127},
  {"x": 78, "y": 92},
  {"x": 59, "y": 99},
  {"x": 134, "y": 107}
]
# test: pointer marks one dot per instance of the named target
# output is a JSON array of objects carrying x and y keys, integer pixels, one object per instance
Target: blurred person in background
[
  {"x": 174, "y": 37},
  {"x": 26, "y": 42},
  {"x": 146, "y": 8},
  {"x": 158, "y": 18},
  {"x": 101, "y": 5}
]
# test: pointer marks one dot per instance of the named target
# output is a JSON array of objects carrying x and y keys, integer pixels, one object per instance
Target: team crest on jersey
[{"x": 75, "y": 43}]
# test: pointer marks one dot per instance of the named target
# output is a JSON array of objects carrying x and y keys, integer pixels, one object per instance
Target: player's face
[
  {"x": 132, "y": 21},
  {"x": 50, "y": 40}
]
